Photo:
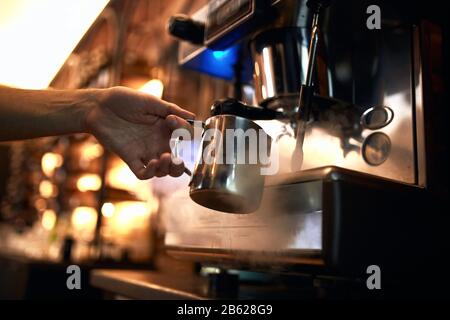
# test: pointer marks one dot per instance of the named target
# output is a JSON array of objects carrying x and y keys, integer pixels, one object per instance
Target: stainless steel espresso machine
[{"x": 362, "y": 192}]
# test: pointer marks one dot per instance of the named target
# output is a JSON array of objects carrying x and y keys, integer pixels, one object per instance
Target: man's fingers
[
  {"x": 141, "y": 171},
  {"x": 175, "y": 122},
  {"x": 176, "y": 168},
  {"x": 163, "y": 165},
  {"x": 166, "y": 166},
  {"x": 149, "y": 119},
  {"x": 180, "y": 112},
  {"x": 150, "y": 169},
  {"x": 163, "y": 108},
  {"x": 138, "y": 168},
  {"x": 157, "y": 167}
]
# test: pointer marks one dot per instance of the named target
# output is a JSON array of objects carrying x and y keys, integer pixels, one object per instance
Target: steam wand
[{"x": 307, "y": 89}]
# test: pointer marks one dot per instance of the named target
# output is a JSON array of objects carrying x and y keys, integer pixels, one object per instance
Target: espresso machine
[{"x": 360, "y": 194}]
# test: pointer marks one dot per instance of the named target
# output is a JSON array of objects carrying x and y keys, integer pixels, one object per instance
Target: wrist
[{"x": 90, "y": 100}]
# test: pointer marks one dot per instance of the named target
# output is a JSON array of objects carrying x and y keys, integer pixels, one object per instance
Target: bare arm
[
  {"x": 37, "y": 113},
  {"x": 132, "y": 124}
]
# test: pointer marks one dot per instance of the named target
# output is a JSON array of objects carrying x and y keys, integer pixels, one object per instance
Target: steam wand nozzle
[{"x": 307, "y": 90}]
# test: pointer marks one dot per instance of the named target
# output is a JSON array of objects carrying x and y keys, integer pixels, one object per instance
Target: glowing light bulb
[
  {"x": 84, "y": 218},
  {"x": 50, "y": 161},
  {"x": 91, "y": 151},
  {"x": 48, "y": 219},
  {"x": 89, "y": 182},
  {"x": 47, "y": 189},
  {"x": 108, "y": 209}
]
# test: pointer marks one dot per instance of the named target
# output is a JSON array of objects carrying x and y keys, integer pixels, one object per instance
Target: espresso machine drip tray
[{"x": 332, "y": 219}]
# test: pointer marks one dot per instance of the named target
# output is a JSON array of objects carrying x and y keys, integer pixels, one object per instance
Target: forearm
[{"x": 28, "y": 114}]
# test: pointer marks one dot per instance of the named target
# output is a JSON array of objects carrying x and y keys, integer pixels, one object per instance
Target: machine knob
[{"x": 185, "y": 28}]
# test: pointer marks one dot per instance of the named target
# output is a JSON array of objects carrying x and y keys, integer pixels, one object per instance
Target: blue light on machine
[
  {"x": 218, "y": 63},
  {"x": 221, "y": 54}
]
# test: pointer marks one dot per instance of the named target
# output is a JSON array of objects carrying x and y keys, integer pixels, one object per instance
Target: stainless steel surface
[
  {"x": 376, "y": 148},
  {"x": 280, "y": 59},
  {"x": 302, "y": 218},
  {"x": 336, "y": 136},
  {"x": 419, "y": 112},
  {"x": 229, "y": 180},
  {"x": 372, "y": 72},
  {"x": 312, "y": 53},
  {"x": 377, "y": 117},
  {"x": 380, "y": 75},
  {"x": 280, "y": 54},
  {"x": 379, "y": 130},
  {"x": 306, "y": 95},
  {"x": 289, "y": 218}
]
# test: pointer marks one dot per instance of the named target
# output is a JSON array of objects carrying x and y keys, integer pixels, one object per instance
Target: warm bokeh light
[
  {"x": 50, "y": 161},
  {"x": 84, "y": 220},
  {"x": 89, "y": 182},
  {"x": 47, "y": 189},
  {"x": 121, "y": 177},
  {"x": 38, "y": 36},
  {"x": 48, "y": 219},
  {"x": 90, "y": 151},
  {"x": 108, "y": 209},
  {"x": 130, "y": 215},
  {"x": 40, "y": 204},
  {"x": 154, "y": 87}
]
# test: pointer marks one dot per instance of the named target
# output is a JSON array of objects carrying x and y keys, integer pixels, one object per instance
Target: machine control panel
[{"x": 230, "y": 20}]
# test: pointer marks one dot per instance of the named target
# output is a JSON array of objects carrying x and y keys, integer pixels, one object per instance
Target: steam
[
  {"x": 274, "y": 228},
  {"x": 288, "y": 218}
]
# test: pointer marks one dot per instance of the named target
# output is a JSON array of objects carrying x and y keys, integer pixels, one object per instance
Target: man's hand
[
  {"x": 137, "y": 127},
  {"x": 134, "y": 125}
]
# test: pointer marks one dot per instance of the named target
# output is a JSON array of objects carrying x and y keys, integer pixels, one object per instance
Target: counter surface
[{"x": 149, "y": 285}]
